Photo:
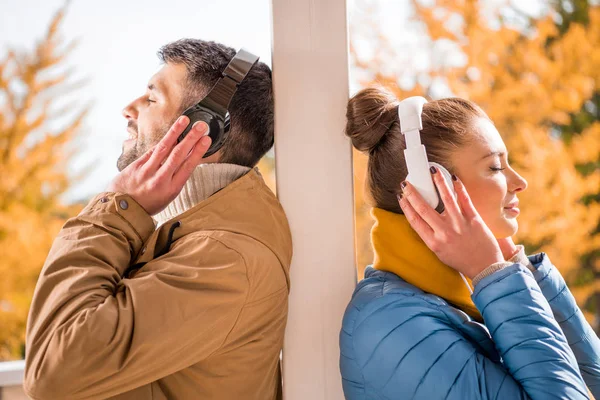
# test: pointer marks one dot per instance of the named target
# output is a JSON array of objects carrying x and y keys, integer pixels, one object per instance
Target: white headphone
[{"x": 409, "y": 112}]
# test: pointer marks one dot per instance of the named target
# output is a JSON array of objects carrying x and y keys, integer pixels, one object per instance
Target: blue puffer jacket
[{"x": 398, "y": 342}]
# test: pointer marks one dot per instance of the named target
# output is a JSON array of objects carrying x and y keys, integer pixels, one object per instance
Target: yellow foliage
[
  {"x": 266, "y": 166},
  {"x": 32, "y": 177},
  {"x": 530, "y": 80},
  {"x": 363, "y": 222}
]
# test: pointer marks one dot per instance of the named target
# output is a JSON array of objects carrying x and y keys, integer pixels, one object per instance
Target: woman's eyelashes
[{"x": 498, "y": 165}]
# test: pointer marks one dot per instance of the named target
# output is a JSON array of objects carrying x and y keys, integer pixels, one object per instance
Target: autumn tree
[
  {"x": 266, "y": 166},
  {"x": 578, "y": 130},
  {"x": 537, "y": 77},
  {"x": 36, "y": 127}
]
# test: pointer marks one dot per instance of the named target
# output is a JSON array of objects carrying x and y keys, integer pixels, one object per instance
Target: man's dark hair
[{"x": 251, "y": 108}]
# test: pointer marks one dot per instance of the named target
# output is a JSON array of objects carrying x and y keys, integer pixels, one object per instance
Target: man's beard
[
  {"x": 129, "y": 156},
  {"x": 142, "y": 144}
]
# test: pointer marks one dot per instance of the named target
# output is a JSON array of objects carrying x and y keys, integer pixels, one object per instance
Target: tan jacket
[{"x": 205, "y": 320}]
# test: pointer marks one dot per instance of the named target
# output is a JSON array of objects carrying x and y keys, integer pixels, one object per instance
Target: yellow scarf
[{"x": 400, "y": 250}]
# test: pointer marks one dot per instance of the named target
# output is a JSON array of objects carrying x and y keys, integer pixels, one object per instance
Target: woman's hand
[
  {"x": 157, "y": 177},
  {"x": 458, "y": 236},
  {"x": 507, "y": 247}
]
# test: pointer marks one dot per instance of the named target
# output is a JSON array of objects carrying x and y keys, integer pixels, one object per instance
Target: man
[{"x": 196, "y": 307}]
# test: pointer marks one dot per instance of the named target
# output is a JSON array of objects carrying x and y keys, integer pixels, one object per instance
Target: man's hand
[{"x": 156, "y": 178}]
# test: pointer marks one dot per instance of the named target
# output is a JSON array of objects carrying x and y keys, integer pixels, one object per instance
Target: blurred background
[
  {"x": 534, "y": 67},
  {"x": 68, "y": 68}
]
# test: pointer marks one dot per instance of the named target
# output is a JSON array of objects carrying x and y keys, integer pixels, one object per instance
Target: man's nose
[{"x": 130, "y": 111}]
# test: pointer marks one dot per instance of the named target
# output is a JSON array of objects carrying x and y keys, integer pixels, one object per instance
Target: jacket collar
[
  {"x": 206, "y": 180},
  {"x": 245, "y": 207},
  {"x": 400, "y": 250}
]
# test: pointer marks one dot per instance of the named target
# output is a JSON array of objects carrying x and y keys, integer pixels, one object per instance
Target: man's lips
[{"x": 132, "y": 134}]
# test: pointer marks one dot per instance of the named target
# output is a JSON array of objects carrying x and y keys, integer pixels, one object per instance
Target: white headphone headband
[{"x": 409, "y": 113}]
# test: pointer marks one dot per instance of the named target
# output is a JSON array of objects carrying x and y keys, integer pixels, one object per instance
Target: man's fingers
[
  {"x": 421, "y": 207},
  {"x": 145, "y": 157},
  {"x": 191, "y": 162},
  {"x": 182, "y": 150},
  {"x": 164, "y": 147}
]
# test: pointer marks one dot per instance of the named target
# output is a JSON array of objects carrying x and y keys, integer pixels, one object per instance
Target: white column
[{"x": 314, "y": 183}]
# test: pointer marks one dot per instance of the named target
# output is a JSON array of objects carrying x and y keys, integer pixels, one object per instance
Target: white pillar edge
[
  {"x": 11, "y": 373},
  {"x": 314, "y": 183}
]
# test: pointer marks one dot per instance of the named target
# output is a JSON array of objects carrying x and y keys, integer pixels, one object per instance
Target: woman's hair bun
[{"x": 369, "y": 115}]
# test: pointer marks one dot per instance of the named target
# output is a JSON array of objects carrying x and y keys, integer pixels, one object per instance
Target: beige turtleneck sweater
[{"x": 206, "y": 180}]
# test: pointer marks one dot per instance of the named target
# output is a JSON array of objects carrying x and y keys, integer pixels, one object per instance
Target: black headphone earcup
[
  {"x": 194, "y": 114},
  {"x": 218, "y": 128},
  {"x": 217, "y": 133}
]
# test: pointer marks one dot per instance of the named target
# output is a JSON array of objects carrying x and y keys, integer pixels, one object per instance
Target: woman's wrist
[
  {"x": 480, "y": 264},
  {"x": 521, "y": 258},
  {"x": 508, "y": 247},
  {"x": 490, "y": 270},
  {"x": 518, "y": 257}
]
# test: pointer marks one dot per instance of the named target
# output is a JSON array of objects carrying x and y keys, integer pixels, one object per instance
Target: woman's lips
[
  {"x": 514, "y": 210},
  {"x": 513, "y": 207}
]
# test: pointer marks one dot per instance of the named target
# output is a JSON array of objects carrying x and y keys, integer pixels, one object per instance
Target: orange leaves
[
  {"x": 531, "y": 77},
  {"x": 33, "y": 163},
  {"x": 363, "y": 222},
  {"x": 25, "y": 241},
  {"x": 266, "y": 166}
]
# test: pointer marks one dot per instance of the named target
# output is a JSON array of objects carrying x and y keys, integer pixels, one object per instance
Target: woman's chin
[{"x": 507, "y": 227}]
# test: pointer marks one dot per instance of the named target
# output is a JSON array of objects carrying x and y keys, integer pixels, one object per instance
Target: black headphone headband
[
  {"x": 222, "y": 92},
  {"x": 213, "y": 108}
]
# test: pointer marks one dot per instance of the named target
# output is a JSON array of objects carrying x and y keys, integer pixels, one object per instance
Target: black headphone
[{"x": 212, "y": 109}]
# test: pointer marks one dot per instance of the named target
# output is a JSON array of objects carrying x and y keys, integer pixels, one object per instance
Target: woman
[{"x": 413, "y": 330}]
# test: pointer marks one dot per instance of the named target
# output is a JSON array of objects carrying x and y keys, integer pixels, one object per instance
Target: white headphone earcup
[{"x": 447, "y": 176}]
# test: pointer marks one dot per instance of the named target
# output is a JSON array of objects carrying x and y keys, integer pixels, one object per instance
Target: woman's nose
[{"x": 518, "y": 183}]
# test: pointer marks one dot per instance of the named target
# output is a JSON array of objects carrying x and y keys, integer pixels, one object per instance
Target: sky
[
  {"x": 118, "y": 40},
  {"x": 116, "y": 54}
]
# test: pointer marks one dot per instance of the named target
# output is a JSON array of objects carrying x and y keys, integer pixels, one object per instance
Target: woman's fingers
[
  {"x": 191, "y": 162},
  {"x": 421, "y": 207},
  {"x": 182, "y": 150},
  {"x": 164, "y": 147},
  {"x": 464, "y": 201},
  {"x": 415, "y": 220},
  {"x": 445, "y": 192}
]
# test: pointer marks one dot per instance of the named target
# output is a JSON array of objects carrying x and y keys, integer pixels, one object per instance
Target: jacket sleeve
[
  {"x": 581, "y": 337},
  {"x": 92, "y": 334},
  {"x": 422, "y": 354}
]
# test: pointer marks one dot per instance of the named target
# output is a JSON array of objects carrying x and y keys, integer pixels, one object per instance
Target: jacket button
[
  {"x": 124, "y": 205},
  {"x": 104, "y": 200}
]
